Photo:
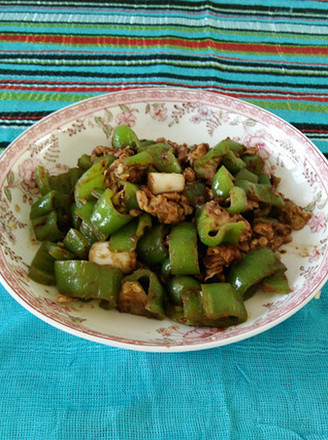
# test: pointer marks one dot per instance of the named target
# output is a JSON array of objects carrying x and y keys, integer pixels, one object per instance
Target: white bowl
[{"x": 182, "y": 115}]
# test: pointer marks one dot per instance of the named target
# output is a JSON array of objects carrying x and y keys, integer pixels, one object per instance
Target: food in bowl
[{"x": 156, "y": 228}]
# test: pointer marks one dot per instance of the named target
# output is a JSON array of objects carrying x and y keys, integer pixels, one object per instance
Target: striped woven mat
[{"x": 270, "y": 53}]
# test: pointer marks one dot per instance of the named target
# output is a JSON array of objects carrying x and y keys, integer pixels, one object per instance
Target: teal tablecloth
[{"x": 54, "y": 386}]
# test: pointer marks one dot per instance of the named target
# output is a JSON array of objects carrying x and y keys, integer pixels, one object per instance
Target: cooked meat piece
[
  {"x": 293, "y": 215},
  {"x": 197, "y": 152},
  {"x": 189, "y": 174},
  {"x": 132, "y": 298},
  {"x": 118, "y": 170},
  {"x": 251, "y": 150},
  {"x": 218, "y": 257},
  {"x": 275, "y": 181},
  {"x": 169, "y": 208},
  {"x": 275, "y": 234},
  {"x": 101, "y": 150},
  {"x": 181, "y": 151}
]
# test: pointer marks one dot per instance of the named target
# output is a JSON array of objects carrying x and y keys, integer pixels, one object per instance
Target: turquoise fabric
[{"x": 54, "y": 386}]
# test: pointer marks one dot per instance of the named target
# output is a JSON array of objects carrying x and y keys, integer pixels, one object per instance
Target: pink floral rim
[{"x": 205, "y": 338}]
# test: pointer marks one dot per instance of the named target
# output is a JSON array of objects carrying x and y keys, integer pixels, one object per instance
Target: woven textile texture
[{"x": 54, "y": 386}]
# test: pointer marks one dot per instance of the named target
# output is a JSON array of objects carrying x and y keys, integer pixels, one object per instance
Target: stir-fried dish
[{"x": 161, "y": 229}]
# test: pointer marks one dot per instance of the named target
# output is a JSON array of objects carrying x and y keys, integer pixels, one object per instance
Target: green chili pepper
[
  {"x": 89, "y": 231},
  {"x": 222, "y": 305},
  {"x": 86, "y": 280},
  {"x": 44, "y": 218},
  {"x": 234, "y": 146},
  {"x": 277, "y": 283},
  {"x": 75, "y": 242},
  {"x": 105, "y": 218},
  {"x": 206, "y": 165},
  {"x": 245, "y": 174},
  {"x": 194, "y": 191},
  {"x": 253, "y": 268},
  {"x": 143, "y": 158},
  {"x": 151, "y": 247},
  {"x": 166, "y": 269},
  {"x": 130, "y": 194},
  {"x": 180, "y": 285},
  {"x": 59, "y": 252},
  {"x": 84, "y": 162},
  {"x": 222, "y": 182},
  {"x": 264, "y": 179},
  {"x": 42, "y": 179},
  {"x": 90, "y": 179},
  {"x": 97, "y": 192},
  {"x": 65, "y": 182},
  {"x": 238, "y": 200},
  {"x": 126, "y": 238},
  {"x": 124, "y": 136},
  {"x": 211, "y": 233},
  {"x": 254, "y": 163},
  {"x": 164, "y": 159},
  {"x": 153, "y": 289},
  {"x": 183, "y": 250},
  {"x": 261, "y": 193},
  {"x": 41, "y": 269},
  {"x": 232, "y": 162}
]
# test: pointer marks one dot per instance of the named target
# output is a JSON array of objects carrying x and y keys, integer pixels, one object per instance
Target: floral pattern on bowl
[{"x": 181, "y": 115}]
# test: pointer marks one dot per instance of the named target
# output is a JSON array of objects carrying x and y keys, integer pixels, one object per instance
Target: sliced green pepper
[
  {"x": 105, "y": 218},
  {"x": 124, "y": 136},
  {"x": 234, "y": 145},
  {"x": 44, "y": 218},
  {"x": 254, "y": 163},
  {"x": 222, "y": 182},
  {"x": 42, "y": 179},
  {"x": 232, "y": 162},
  {"x": 151, "y": 247},
  {"x": 222, "y": 305},
  {"x": 127, "y": 237},
  {"x": 205, "y": 167},
  {"x": 253, "y": 268},
  {"x": 83, "y": 279},
  {"x": 238, "y": 200},
  {"x": 164, "y": 159},
  {"x": 129, "y": 194},
  {"x": 211, "y": 232},
  {"x": 245, "y": 174},
  {"x": 264, "y": 179},
  {"x": 166, "y": 269},
  {"x": 261, "y": 193},
  {"x": 42, "y": 269},
  {"x": 277, "y": 283},
  {"x": 90, "y": 179},
  {"x": 153, "y": 289},
  {"x": 194, "y": 191},
  {"x": 183, "y": 250},
  {"x": 75, "y": 242},
  {"x": 84, "y": 162}
]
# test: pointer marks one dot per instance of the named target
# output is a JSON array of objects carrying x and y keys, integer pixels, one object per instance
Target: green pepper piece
[
  {"x": 245, "y": 174},
  {"x": 253, "y": 268},
  {"x": 43, "y": 205},
  {"x": 254, "y": 163},
  {"x": 233, "y": 163},
  {"x": 126, "y": 238},
  {"x": 124, "y": 136},
  {"x": 163, "y": 157},
  {"x": 211, "y": 233},
  {"x": 183, "y": 250},
  {"x": 97, "y": 192},
  {"x": 75, "y": 242},
  {"x": 153, "y": 289},
  {"x": 84, "y": 162},
  {"x": 65, "y": 182},
  {"x": 86, "y": 280},
  {"x": 105, "y": 218},
  {"x": 42, "y": 179},
  {"x": 193, "y": 191},
  {"x": 277, "y": 283},
  {"x": 130, "y": 194},
  {"x": 59, "y": 252},
  {"x": 41, "y": 269},
  {"x": 261, "y": 193},
  {"x": 238, "y": 200},
  {"x": 264, "y": 179},
  {"x": 222, "y": 305},
  {"x": 90, "y": 179},
  {"x": 44, "y": 218},
  {"x": 151, "y": 247},
  {"x": 205, "y": 167},
  {"x": 179, "y": 285},
  {"x": 89, "y": 231},
  {"x": 75, "y": 219},
  {"x": 222, "y": 182},
  {"x": 184, "y": 291},
  {"x": 234, "y": 145},
  {"x": 166, "y": 269},
  {"x": 142, "y": 158}
]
